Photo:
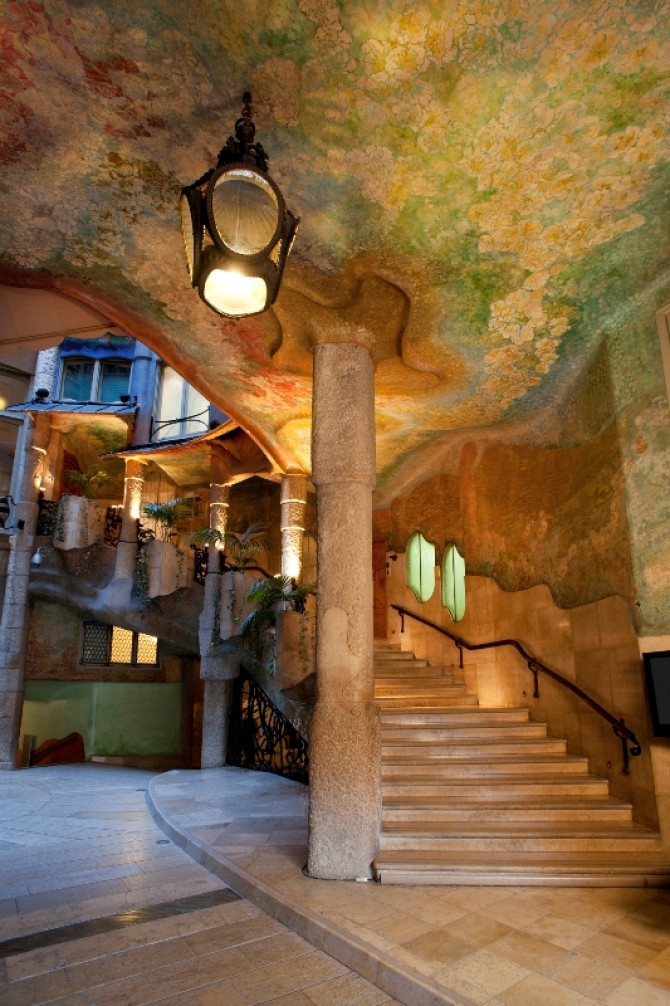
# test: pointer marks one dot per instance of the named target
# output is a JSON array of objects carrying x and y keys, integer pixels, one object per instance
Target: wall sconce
[{"x": 37, "y": 559}]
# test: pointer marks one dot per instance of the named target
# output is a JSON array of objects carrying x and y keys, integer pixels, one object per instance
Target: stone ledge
[{"x": 398, "y": 980}]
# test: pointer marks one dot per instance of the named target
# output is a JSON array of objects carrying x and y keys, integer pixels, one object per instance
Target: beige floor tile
[
  {"x": 560, "y": 931},
  {"x": 536, "y": 990},
  {"x": 655, "y": 914},
  {"x": 489, "y": 972},
  {"x": 453, "y": 982},
  {"x": 276, "y": 948},
  {"x": 398, "y": 927},
  {"x": 658, "y": 970},
  {"x": 619, "y": 953},
  {"x": 438, "y": 913},
  {"x": 234, "y": 934},
  {"x": 637, "y": 930},
  {"x": 528, "y": 951},
  {"x": 477, "y": 929},
  {"x": 517, "y": 912},
  {"x": 636, "y": 992},
  {"x": 595, "y": 914},
  {"x": 350, "y": 990},
  {"x": 587, "y": 976},
  {"x": 440, "y": 946}
]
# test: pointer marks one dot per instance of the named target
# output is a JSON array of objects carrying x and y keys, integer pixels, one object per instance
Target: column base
[{"x": 344, "y": 790}]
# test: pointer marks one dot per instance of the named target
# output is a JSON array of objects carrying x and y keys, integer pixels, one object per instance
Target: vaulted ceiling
[{"x": 483, "y": 189}]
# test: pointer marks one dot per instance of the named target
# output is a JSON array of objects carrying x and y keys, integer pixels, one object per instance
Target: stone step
[
  {"x": 487, "y": 732},
  {"x": 389, "y": 689},
  {"x": 445, "y": 717},
  {"x": 482, "y": 766},
  {"x": 426, "y": 702},
  {"x": 422, "y": 674},
  {"x": 542, "y": 809},
  {"x": 444, "y": 752},
  {"x": 398, "y": 657},
  {"x": 522, "y": 869},
  {"x": 510, "y": 837},
  {"x": 492, "y": 788}
]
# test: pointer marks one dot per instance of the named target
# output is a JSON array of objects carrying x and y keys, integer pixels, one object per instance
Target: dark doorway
[{"x": 379, "y": 586}]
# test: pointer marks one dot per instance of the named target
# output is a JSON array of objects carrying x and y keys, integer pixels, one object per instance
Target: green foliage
[
  {"x": 144, "y": 536},
  {"x": 84, "y": 480},
  {"x": 167, "y": 515},
  {"x": 266, "y": 594},
  {"x": 241, "y": 548}
]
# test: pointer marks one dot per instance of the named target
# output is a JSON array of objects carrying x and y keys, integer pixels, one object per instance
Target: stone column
[
  {"x": 126, "y": 550},
  {"x": 216, "y": 671},
  {"x": 345, "y": 746},
  {"x": 46, "y": 370},
  {"x": 293, "y": 499},
  {"x": 143, "y": 387},
  {"x": 14, "y": 621}
]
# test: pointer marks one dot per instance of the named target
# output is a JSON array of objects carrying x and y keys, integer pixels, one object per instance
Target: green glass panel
[
  {"x": 420, "y": 567},
  {"x": 453, "y": 582}
]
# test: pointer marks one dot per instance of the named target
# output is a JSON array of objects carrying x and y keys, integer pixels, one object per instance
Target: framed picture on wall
[{"x": 657, "y": 672}]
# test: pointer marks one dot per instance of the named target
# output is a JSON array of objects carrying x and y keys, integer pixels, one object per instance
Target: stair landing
[{"x": 485, "y": 797}]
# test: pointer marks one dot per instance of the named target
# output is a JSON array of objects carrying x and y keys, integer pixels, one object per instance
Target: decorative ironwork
[
  {"x": 113, "y": 521},
  {"x": 624, "y": 733},
  {"x": 47, "y": 518},
  {"x": 261, "y": 737},
  {"x": 95, "y": 648},
  {"x": 181, "y": 424},
  {"x": 200, "y": 563}
]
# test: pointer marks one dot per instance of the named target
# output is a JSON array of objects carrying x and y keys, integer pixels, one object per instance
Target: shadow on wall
[{"x": 593, "y": 645}]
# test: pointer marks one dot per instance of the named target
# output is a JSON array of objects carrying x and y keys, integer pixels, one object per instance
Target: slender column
[
  {"x": 14, "y": 621},
  {"x": 126, "y": 550},
  {"x": 345, "y": 746},
  {"x": 293, "y": 500},
  {"x": 142, "y": 386},
  {"x": 216, "y": 671},
  {"x": 46, "y": 370}
]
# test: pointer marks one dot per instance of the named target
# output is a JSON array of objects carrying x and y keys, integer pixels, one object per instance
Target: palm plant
[
  {"x": 266, "y": 594},
  {"x": 84, "y": 480},
  {"x": 167, "y": 515},
  {"x": 240, "y": 547}
]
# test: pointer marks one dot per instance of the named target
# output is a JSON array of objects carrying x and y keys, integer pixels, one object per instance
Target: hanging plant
[
  {"x": 266, "y": 594},
  {"x": 144, "y": 536},
  {"x": 84, "y": 480},
  {"x": 240, "y": 548},
  {"x": 59, "y": 523}
]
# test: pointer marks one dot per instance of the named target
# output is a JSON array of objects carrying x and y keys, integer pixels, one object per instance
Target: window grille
[
  {"x": 107, "y": 645},
  {"x": 96, "y": 643},
  {"x": 147, "y": 649}
]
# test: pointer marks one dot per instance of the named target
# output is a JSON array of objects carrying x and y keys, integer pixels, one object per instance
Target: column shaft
[
  {"x": 345, "y": 746},
  {"x": 292, "y": 506},
  {"x": 14, "y": 621},
  {"x": 126, "y": 550}
]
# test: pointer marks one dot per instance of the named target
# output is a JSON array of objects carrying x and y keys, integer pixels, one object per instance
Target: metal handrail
[
  {"x": 155, "y": 427},
  {"x": 624, "y": 733}
]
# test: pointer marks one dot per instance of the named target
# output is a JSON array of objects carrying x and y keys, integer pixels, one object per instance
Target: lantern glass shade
[
  {"x": 190, "y": 209},
  {"x": 233, "y": 294},
  {"x": 245, "y": 210}
]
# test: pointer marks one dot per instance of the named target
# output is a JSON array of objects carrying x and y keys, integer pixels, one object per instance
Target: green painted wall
[{"x": 114, "y": 718}]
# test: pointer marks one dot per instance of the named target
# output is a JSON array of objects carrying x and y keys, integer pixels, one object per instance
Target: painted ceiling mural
[{"x": 482, "y": 186}]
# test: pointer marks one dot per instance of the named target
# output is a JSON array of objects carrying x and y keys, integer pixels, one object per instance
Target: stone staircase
[{"x": 484, "y": 796}]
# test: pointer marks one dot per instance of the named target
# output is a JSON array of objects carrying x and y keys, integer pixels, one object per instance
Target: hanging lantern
[{"x": 237, "y": 230}]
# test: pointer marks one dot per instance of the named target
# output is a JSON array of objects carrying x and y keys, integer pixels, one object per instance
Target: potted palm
[
  {"x": 236, "y": 552},
  {"x": 165, "y": 561},
  {"x": 72, "y": 522},
  {"x": 290, "y": 608}
]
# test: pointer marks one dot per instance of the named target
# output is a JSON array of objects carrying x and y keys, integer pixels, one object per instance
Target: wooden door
[{"x": 379, "y": 586}]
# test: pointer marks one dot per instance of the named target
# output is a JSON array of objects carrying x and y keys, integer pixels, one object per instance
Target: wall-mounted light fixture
[
  {"x": 236, "y": 228},
  {"x": 37, "y": 559}
]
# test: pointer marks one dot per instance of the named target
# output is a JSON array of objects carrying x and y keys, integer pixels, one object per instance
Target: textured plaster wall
[{"x": 593, "y": 645}]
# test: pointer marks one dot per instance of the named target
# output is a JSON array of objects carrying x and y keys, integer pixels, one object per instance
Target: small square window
[
  {"x": 78, "y": 380},
  {"x": 147, "y": 649},
  {"x": 104, "y": 645},
  {"x": 95, "y": 649},
  {"x": 122, "y": 646}
]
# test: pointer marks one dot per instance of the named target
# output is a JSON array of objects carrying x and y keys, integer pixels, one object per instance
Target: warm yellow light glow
[{"x": 235, "y": 294}]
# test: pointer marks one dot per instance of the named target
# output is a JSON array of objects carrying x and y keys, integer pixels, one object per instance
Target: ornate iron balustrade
[
  {"x": 624, "y": 733},
  {"x": 113, "y": 521},
  {"x": 200, "y": 564},
  {"x": 47, "y": 517},
  {"x": 179, "y": 424},
  {"x": 261, "y": 737}
]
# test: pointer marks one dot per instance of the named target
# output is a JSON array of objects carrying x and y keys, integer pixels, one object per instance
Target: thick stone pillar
[
  {"x": 14, "y": 621},
  {"x": 216, "y": 671},
  {"x": 46, "y": 370},
  {"x": 126, "y": 550},
  {"x": 345, "y": 747},
  {"x": 292, "y": 503}
]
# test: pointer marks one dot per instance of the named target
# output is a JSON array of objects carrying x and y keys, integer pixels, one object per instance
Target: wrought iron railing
[
  {"x": 47, "y": 517},
  {"x": 536, "y": 667},
  {"x": 200, "y": 563},
  {"x": 180, "y": 424},
  {"x": 113, "y": 522},
  {"x": 261, "y": 737}
]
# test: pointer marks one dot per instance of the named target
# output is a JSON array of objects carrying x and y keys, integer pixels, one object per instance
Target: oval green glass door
[
  {"x": 420, "y": 567},
  {"x": 453, "y": 582}
]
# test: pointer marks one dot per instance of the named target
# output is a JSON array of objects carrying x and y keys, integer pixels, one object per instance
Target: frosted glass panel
[
  {"x": 122, "y": 646},
  {"x": 453, "y": 582},
  {"x": 420, "y": 567},
  {"x": 172, "y": 389},
  {"x": 196, "y": 404},
  {"x": 147, "y": 649}
]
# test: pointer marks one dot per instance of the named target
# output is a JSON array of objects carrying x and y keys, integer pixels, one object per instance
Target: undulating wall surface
[
  {"x": 114, "y": 718},
  {"x": 593, "y": 645},
  {"x": 86, "y": 442}
]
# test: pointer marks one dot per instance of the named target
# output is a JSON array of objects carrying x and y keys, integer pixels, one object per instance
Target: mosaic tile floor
[
  {"x": 495, "y": 946},
  {"x": 140, "y": 922}
]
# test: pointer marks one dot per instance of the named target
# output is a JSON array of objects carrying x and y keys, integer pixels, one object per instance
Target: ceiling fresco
[{"x": 482, "y": 186}]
